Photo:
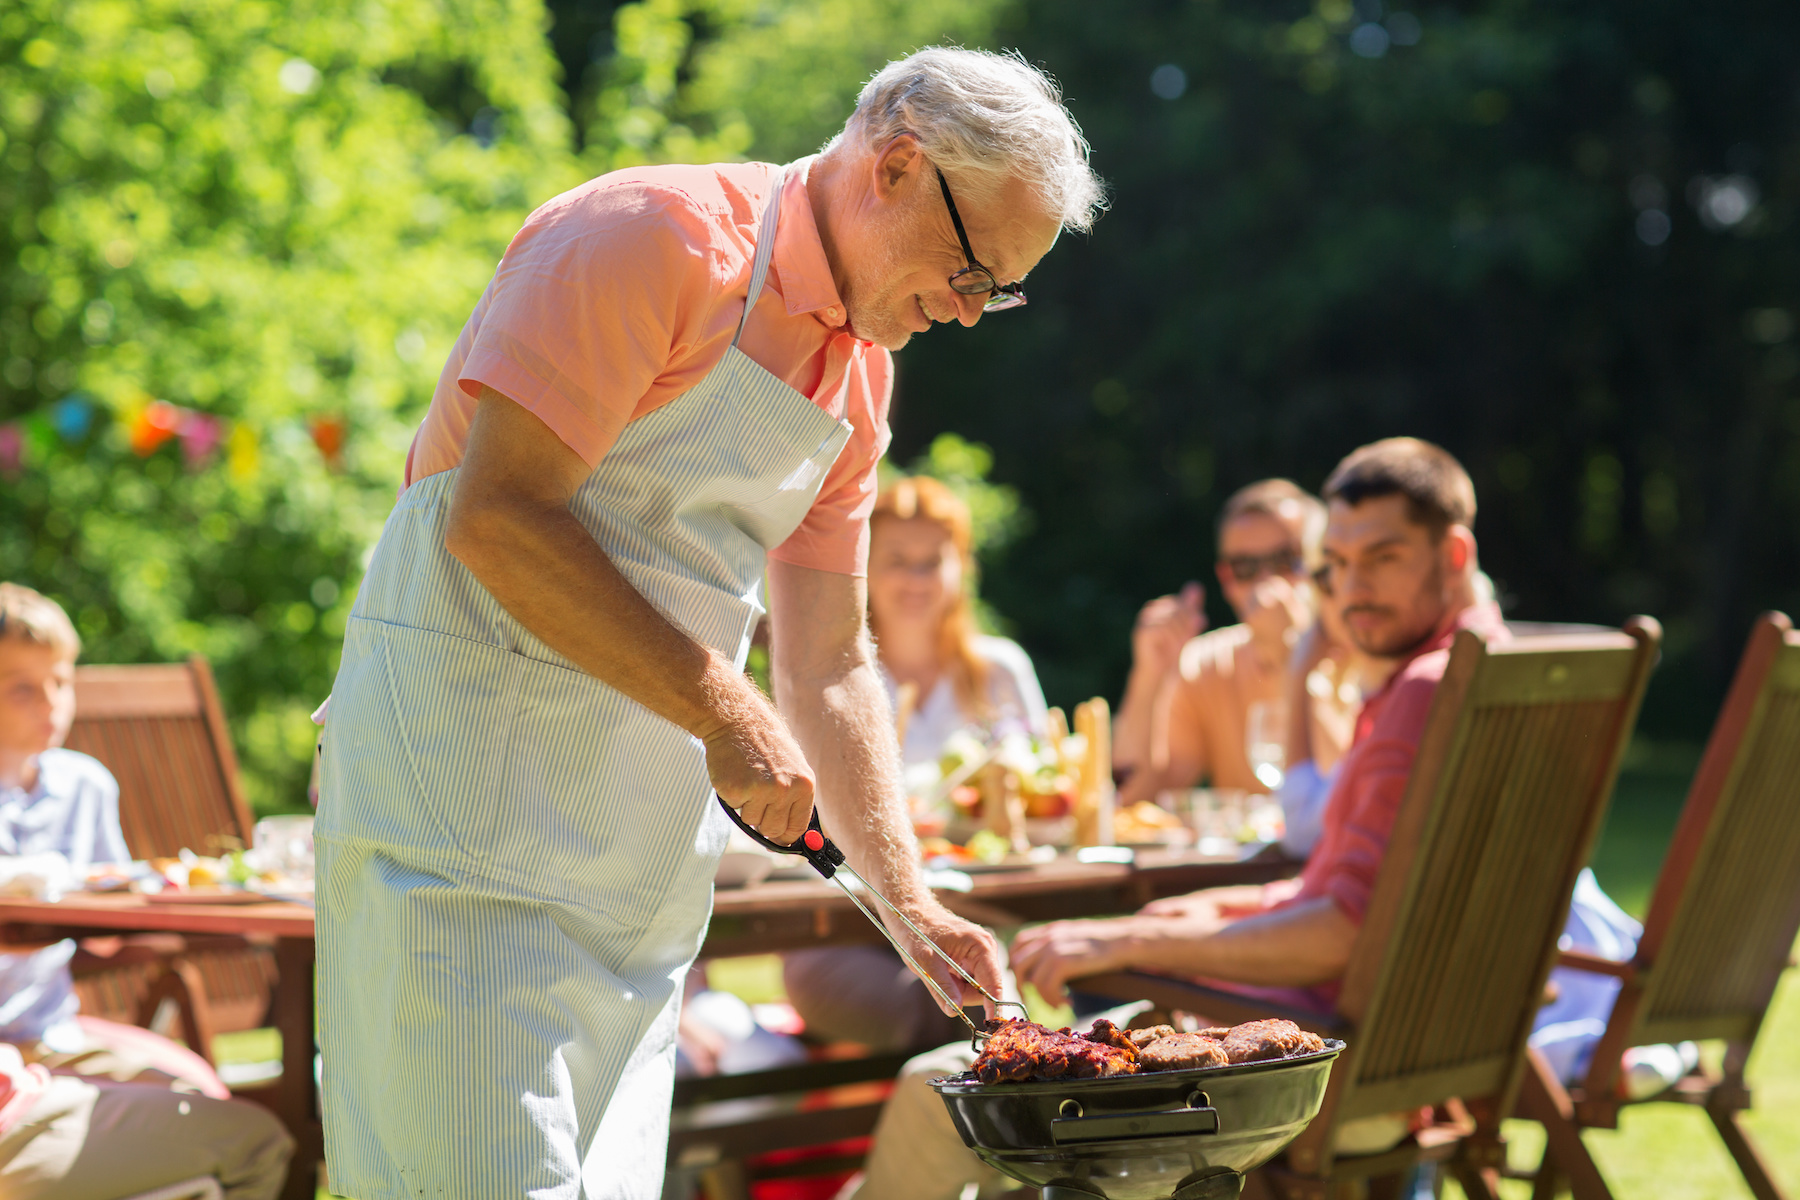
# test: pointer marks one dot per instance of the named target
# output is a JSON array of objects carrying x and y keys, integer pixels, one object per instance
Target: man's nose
[
  {"x": 1348, "y": 582},
  {"x": 969, "y": 308}
]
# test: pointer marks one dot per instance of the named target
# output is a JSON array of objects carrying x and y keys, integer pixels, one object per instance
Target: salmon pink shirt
[{"x": 618, "y": 296}]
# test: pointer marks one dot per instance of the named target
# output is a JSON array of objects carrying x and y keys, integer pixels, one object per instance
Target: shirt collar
[
  {"x": 806, "y": 284},
  {"x": 1483, "y": 618}
]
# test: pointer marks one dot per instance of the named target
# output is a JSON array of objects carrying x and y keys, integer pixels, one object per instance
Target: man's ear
[
  {"x": 894, "y": 163},
  {"x": 1459, "y": 548}
]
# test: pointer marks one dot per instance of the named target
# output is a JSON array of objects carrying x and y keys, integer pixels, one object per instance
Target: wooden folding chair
[
  {"x": 1721, "y": 925},
  {"x": 159, "y": 729},
  {"x": 1519, "y": 754}
]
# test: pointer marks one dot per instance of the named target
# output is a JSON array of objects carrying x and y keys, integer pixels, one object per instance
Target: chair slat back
[
  {"x": 1726, "y": 908},
  {"x": 159, "y": 729},
  {"x": 1504, "y": 802}
]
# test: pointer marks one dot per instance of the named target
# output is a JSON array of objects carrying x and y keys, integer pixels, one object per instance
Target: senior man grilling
[{"x": 677, "y": 380}]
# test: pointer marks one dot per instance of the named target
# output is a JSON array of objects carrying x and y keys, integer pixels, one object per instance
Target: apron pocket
[{"x": 442, "y": 711}]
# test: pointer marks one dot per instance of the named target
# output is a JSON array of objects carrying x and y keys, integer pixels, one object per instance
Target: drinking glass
[
  {"x": 284, "y": 845},
  {"x": 1216, "y": 815},
  {"x": 1265, "y": 740}
]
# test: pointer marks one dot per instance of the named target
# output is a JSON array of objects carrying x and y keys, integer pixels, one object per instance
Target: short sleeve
[
  {"x": 834, "y": 536},
  {"x": 593, "y": 300}
]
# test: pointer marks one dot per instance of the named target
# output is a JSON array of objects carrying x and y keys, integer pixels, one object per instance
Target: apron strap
[{"x": 765, "y": 251}]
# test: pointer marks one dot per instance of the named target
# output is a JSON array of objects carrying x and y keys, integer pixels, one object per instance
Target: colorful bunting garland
[{"x": 151, "y": 425}]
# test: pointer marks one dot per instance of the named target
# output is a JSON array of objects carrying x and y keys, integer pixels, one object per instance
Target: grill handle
[{"x": 1180, "y": 1122}]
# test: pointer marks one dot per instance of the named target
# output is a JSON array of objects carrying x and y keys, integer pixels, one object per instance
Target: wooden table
[
  {"x": 762, "y": 919},
  {"x": 791, "y": 915}
]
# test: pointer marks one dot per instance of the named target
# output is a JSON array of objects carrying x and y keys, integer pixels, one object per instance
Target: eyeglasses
[
  {"x": 975, "y": 279},
  {"x": 1246, "y": 568}
]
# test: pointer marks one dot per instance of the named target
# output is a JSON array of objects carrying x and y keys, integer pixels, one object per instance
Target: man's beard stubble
[{"x": 1429, "y": 606}]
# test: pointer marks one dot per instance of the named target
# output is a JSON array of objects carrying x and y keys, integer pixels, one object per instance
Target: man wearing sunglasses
[
  {"x": 1192, "y": 697},
  {"x": 675, "y": 389}
]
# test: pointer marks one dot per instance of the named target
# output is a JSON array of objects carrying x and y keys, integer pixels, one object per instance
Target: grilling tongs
[{"x": 825, "y": 858}]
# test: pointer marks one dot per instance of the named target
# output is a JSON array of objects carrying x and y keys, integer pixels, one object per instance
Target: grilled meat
[
  {"x": 1018, "y": 1050},
  {"x": 1182, "y": 1052},
  {"x": 1108, "y": 1034},
  {"x": 1143, "y": 1037},
  {"x": 1257, "y": 1041}
]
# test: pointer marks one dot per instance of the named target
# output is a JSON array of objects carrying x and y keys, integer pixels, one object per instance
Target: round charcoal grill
[{"x": 1186, "y": 1135}]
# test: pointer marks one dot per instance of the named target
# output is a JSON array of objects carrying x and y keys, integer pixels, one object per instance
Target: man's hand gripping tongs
[{"x": 828, "y": 860}]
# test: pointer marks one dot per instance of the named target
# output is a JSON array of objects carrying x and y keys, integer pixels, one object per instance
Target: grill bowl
[{"x": 1192, "y": 1134}]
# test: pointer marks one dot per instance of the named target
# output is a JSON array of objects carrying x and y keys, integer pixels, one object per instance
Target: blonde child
[{"x": 90, "y": 1108}]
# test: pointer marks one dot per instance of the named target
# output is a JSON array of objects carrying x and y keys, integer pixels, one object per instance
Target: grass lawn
[{"x": 1671, "y": 1151}]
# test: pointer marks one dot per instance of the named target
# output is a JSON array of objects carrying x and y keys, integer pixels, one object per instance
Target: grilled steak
[
  {"x": 1256, "y": 1041},
  {"x": 1182, "y": 1052}
]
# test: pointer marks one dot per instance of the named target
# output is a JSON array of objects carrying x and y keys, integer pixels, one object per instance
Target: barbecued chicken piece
[
  {"x": 1108, "y": 1034},
  {"x": 1143, "y": 1037},
  {"x": 1018, "y": 1050},
  {"x": 1258, "y": 1041},
  {"x": 1181, "y": 1052}
]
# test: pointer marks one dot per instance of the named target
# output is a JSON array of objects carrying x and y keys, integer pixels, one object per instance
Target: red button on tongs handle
[{"x": 813, "y": 846}]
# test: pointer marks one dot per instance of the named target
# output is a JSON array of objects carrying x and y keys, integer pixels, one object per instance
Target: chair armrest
[
  {"x": 1581, "y": 960},
  {"x": 1215, "y": 1003}
]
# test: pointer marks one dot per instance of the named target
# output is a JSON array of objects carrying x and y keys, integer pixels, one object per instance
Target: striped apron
[{"x": 515, "y": 860}]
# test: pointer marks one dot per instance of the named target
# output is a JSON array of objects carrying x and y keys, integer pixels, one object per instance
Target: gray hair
[{"x": 983, "y": 118}]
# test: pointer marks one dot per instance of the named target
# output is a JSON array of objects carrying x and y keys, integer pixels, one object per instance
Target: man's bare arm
[
  {"x": 1180, "y": 759},
  {"x": 827, "y": 686},
  {"x": 1307, "y": 944},
  {"x": 510, "y": 525},
  {"x": 1163, "y": 628}
]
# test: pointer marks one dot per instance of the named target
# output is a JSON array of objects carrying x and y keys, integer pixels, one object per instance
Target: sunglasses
[
  {"x": 975, "y": 279},
  {"x": 1247, "y": 568}
]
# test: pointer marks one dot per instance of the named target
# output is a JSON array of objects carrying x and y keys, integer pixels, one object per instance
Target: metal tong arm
[{"x": 825, "y": 858}]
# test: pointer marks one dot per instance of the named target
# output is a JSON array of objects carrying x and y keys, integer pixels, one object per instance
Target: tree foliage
[
  {"x": 266, "y": 213},
  {"x": 1558, "y": 239}
]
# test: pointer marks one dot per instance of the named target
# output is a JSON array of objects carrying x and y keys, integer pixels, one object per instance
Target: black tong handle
[{"x": 817, "y": 849}]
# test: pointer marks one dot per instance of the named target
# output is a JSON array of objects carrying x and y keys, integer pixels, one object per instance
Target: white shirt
[
  {"x": 74, "y": 811},
  {"x": 1015, "y": 701}
]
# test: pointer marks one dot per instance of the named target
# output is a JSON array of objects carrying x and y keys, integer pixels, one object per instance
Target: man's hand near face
[
  {"x": 1277, "y": 612},
  {"x": 1164, "y": 626}
]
